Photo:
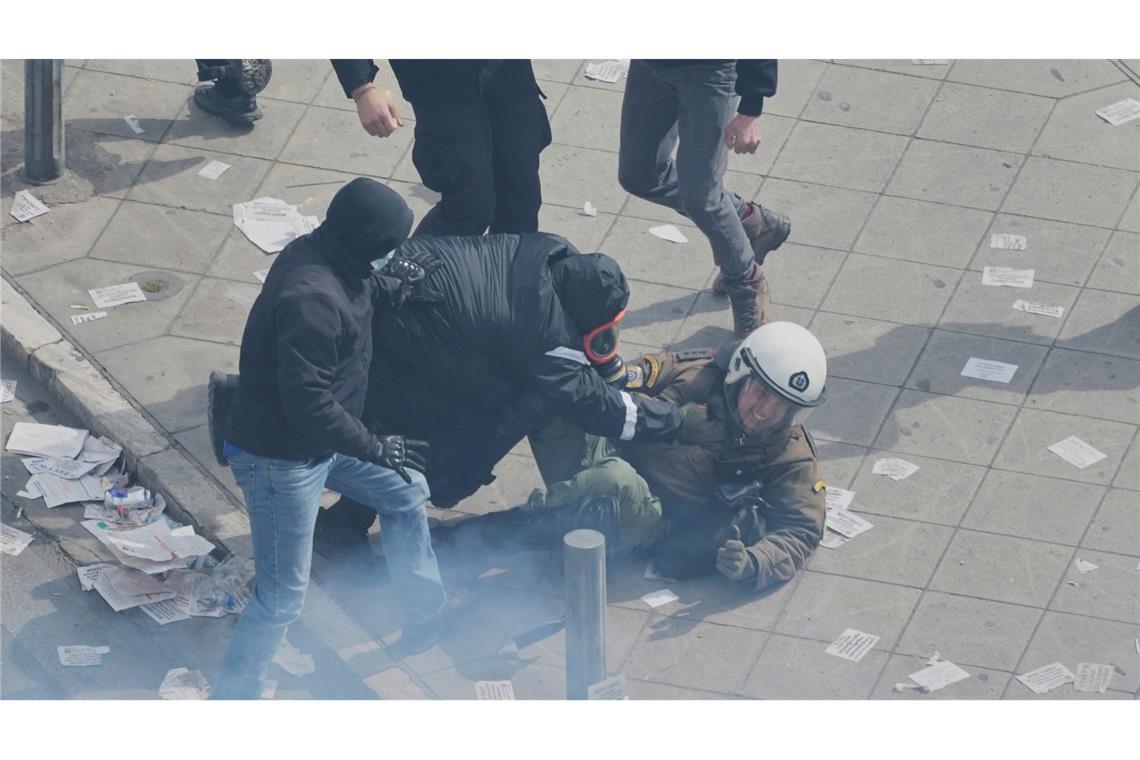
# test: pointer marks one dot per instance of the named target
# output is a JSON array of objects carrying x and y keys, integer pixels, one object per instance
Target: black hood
[
  {"x": 364, "y": 222},
  {"x": 591, "y": 288}
]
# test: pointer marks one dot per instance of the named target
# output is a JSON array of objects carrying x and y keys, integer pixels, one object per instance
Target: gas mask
[{"x": 601, "y": 346}]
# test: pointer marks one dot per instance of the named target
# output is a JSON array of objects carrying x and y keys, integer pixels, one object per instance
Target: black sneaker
[
  {"x": 420, "y": 637},
  {"x": 239, "y": 110},
  {"x": 220, "y": 394}
]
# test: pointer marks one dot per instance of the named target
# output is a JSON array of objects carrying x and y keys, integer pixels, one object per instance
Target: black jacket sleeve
[
  {"x": 353, "y": 72},
  {"x": 307, "y": 358},
  {"x": 580, "y": 394},
  {"x": 755, "y": 80}
]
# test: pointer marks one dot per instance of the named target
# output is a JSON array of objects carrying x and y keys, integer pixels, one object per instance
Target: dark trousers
[{"x": 481, "y": 156}]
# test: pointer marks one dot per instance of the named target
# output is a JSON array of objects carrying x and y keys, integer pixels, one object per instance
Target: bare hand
[
  {"x": 732, "y": 560},
  {"x": 743, "y": 133},
  {"x": 378, "y": 115}
]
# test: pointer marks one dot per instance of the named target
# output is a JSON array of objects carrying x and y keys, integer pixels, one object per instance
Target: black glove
[{"x": 397, "y": 452}]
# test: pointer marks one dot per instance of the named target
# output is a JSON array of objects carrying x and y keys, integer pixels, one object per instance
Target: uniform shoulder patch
[
  {"x": 634, "y": 377},
  {"x": 692, "y": 354},
  {"x": 819, "y": 486},
  {"x": 653, "y": 370}
]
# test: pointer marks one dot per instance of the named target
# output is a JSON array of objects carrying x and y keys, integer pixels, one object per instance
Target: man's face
[{"x": 760, "y": 411}]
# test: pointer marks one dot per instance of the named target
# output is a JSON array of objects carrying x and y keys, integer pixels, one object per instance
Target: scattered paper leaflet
[
  {"x": 894, "y": 468},
  {"x": 117, "y": 295},
  {"x": 1076, "y": 452},
  {"x": 8, "y": 390},
  {"x": 294, "y": 661},
  {"x": 1120, "y": 113},
  {"x": 213, "y": 170},
  {"x": 494, "y": 690},
  {"x": 81, "y": 655},
  {"x": 939, "y": 675},
  {"x": 1046, "y": 678},
  {"x": 659, "y": 598},
  {"x": 1092, "y": 677},
  {"x": 1041, "y": 309},
  {"x": 183, "y": 683},
  {"x": 668, "y": 232},
  {"x": 852, "y": 645},
  {"x": 13, "y": 540},
  {"x": 26, "y": 206},
  {"x": 271, "y": 223},
  {"x": 988, "y": 369},
  {"x": 1005, "y": 277},
  {"x": 608, "y": 71},
  {"x": 52, "y": 441},
  {"x": 1008, "y": 242}
]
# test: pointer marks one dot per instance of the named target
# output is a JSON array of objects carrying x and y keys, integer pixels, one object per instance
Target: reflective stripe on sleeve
[
  {"x": 562, "y": 352},
  {"x": 630, "y": 417}
]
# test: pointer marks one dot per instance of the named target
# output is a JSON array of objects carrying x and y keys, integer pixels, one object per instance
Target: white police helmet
[{"x": 788, "y": 361}]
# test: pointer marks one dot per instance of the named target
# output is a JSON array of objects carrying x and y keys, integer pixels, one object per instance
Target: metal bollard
[
  {"x": 585, "y": 564},
  {"x": 43, "y": 120}
]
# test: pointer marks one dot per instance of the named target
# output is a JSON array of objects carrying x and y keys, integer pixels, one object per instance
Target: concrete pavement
[{"x": 895, "y": 176}]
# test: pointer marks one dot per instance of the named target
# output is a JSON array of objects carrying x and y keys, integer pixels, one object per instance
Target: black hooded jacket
[
  {"x": 488, "y": 321},
  {"x": 307, "y": 345}
]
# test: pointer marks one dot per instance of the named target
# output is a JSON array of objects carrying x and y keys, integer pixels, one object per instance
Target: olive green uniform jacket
[{"x": 780, "y": 533}]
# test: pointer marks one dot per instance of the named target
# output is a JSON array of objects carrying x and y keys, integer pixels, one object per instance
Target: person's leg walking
[
  {"x": 649, "y": 111},
  {"x": 282, "y": 498}
]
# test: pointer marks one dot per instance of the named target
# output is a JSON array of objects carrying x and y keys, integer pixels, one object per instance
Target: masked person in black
[
  {"x": 490, "y": 339},
  {"x": 294, "y": 428},
  {"x": 480, "y": 127}
]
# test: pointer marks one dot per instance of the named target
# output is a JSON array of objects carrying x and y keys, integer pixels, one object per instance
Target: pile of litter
[{"x": 160, "y": 566}]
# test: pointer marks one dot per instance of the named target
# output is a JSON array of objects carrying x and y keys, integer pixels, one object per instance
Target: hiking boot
[
  {"x": 766, "y": 231},
  {"x": 748, "y": 295},
  {"x": 239, "y": 110},
  {"x": 220, "y": 394}
]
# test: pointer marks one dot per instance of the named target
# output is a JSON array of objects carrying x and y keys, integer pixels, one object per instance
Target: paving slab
[
  {"x": 168, "y": 376},
  {"x": 573, "y": 175},
  {"x": 1050, "y": 78},
  {"x": 960, "y": 429},
  {"x": 928, "y": 233},
  {"x": 63, "y": 234},
  {"x": 199, "y": 130},
  {"x": 869, "y": 99},
  {"x": 1031, "y": 506},
  {"x": 295, "y": 80},
  {"x": 868, "y": 349},
  {"x": 839, "y": 461},
  {"x": 355, "y": 151},
  {"x": 1026, "y": 447},
  {"x": 985, "y": 118},
  {"x": 587, "y": 118},
  {"x": 170, "y": 178},
  {"x": 775, "y": 130},
  {"x": 1128, "y": 476},
  {"x": 939, "y": 369},
  {"x": 828, "y": 217},
  {"x": 940, "y": 492},
  {"x": 982, "y": 683},
  {"x": 1119, "y": 267},
  {"x": 556, "y": 69},
  {"x": 1104, "y": 322},
  {"x": 1074, "y": 132},
  {"x": 648, "y": 258},
  {"x": 792, "y": 668},
  {"x": 100, "y": 102},
  {"x": 798, "y": 78},
  {"x": 971, "y": 633},
  {"x": 928, "y": 71},
  {"x": 1070, "y": 192},
  {"x": 1094, "y": 385},
  {"x": 894, "y": 551},
  {"x": 54, "y": 290},
  {"x": 1131, "y": 219},
  {"x": 900, "y": 291},
  {"x": 985, "y": 310},
  {"x": 1116, "y": 526},
  {"x": 179, "y": 240},
  {"x": 1001, "y": 568},
  {"x": 956, "y": 175},
  {"x": 854, "y": 412},
  {"x": 1056, "y": 251},
  {"x": 1111, "y": 591},
  {"x": 824, "y": 605},
  {"x": 216, "y": 311},
  {"x": 1071, "y": 639},
  {"x": 707, "y": 656},
  {"x": 854, "y": 159}
]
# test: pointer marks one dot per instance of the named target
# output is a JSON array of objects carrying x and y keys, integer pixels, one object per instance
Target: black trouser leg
[
  {"x": 452, "y": 153},
  {"x": 519, "y": 132}
]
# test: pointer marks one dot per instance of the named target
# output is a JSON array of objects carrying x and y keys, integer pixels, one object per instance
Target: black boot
[
  {"x": 537, "y": 528},
  {"x": 237, "y": 108},
  {"x": 220, "y": 394}
]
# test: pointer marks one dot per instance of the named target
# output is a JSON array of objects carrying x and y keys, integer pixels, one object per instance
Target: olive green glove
[{"x": 733, "y": 561}]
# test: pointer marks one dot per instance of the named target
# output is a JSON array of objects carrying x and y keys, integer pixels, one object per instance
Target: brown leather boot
[
  {"x": 766, "y": 231},
  {"x": 748, "y": 295}
]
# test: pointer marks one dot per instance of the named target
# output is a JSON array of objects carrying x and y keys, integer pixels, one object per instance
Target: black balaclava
[
  {"x": 591, "y": 288},
  {"x": 364, "y": 222}
]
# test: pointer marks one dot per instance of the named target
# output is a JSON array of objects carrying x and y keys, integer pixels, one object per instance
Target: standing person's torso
[{"x": 441, "y": 80}]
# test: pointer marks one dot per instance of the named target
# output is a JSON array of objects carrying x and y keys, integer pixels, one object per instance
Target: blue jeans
[
  {"x": 282, "y": 497},
  {"x": 688, "y": 108}
]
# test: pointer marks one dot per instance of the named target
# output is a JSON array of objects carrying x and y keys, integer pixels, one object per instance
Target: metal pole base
[
  {"x": 43, "y": 121},
  {"x": 585, "y": 558}
]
